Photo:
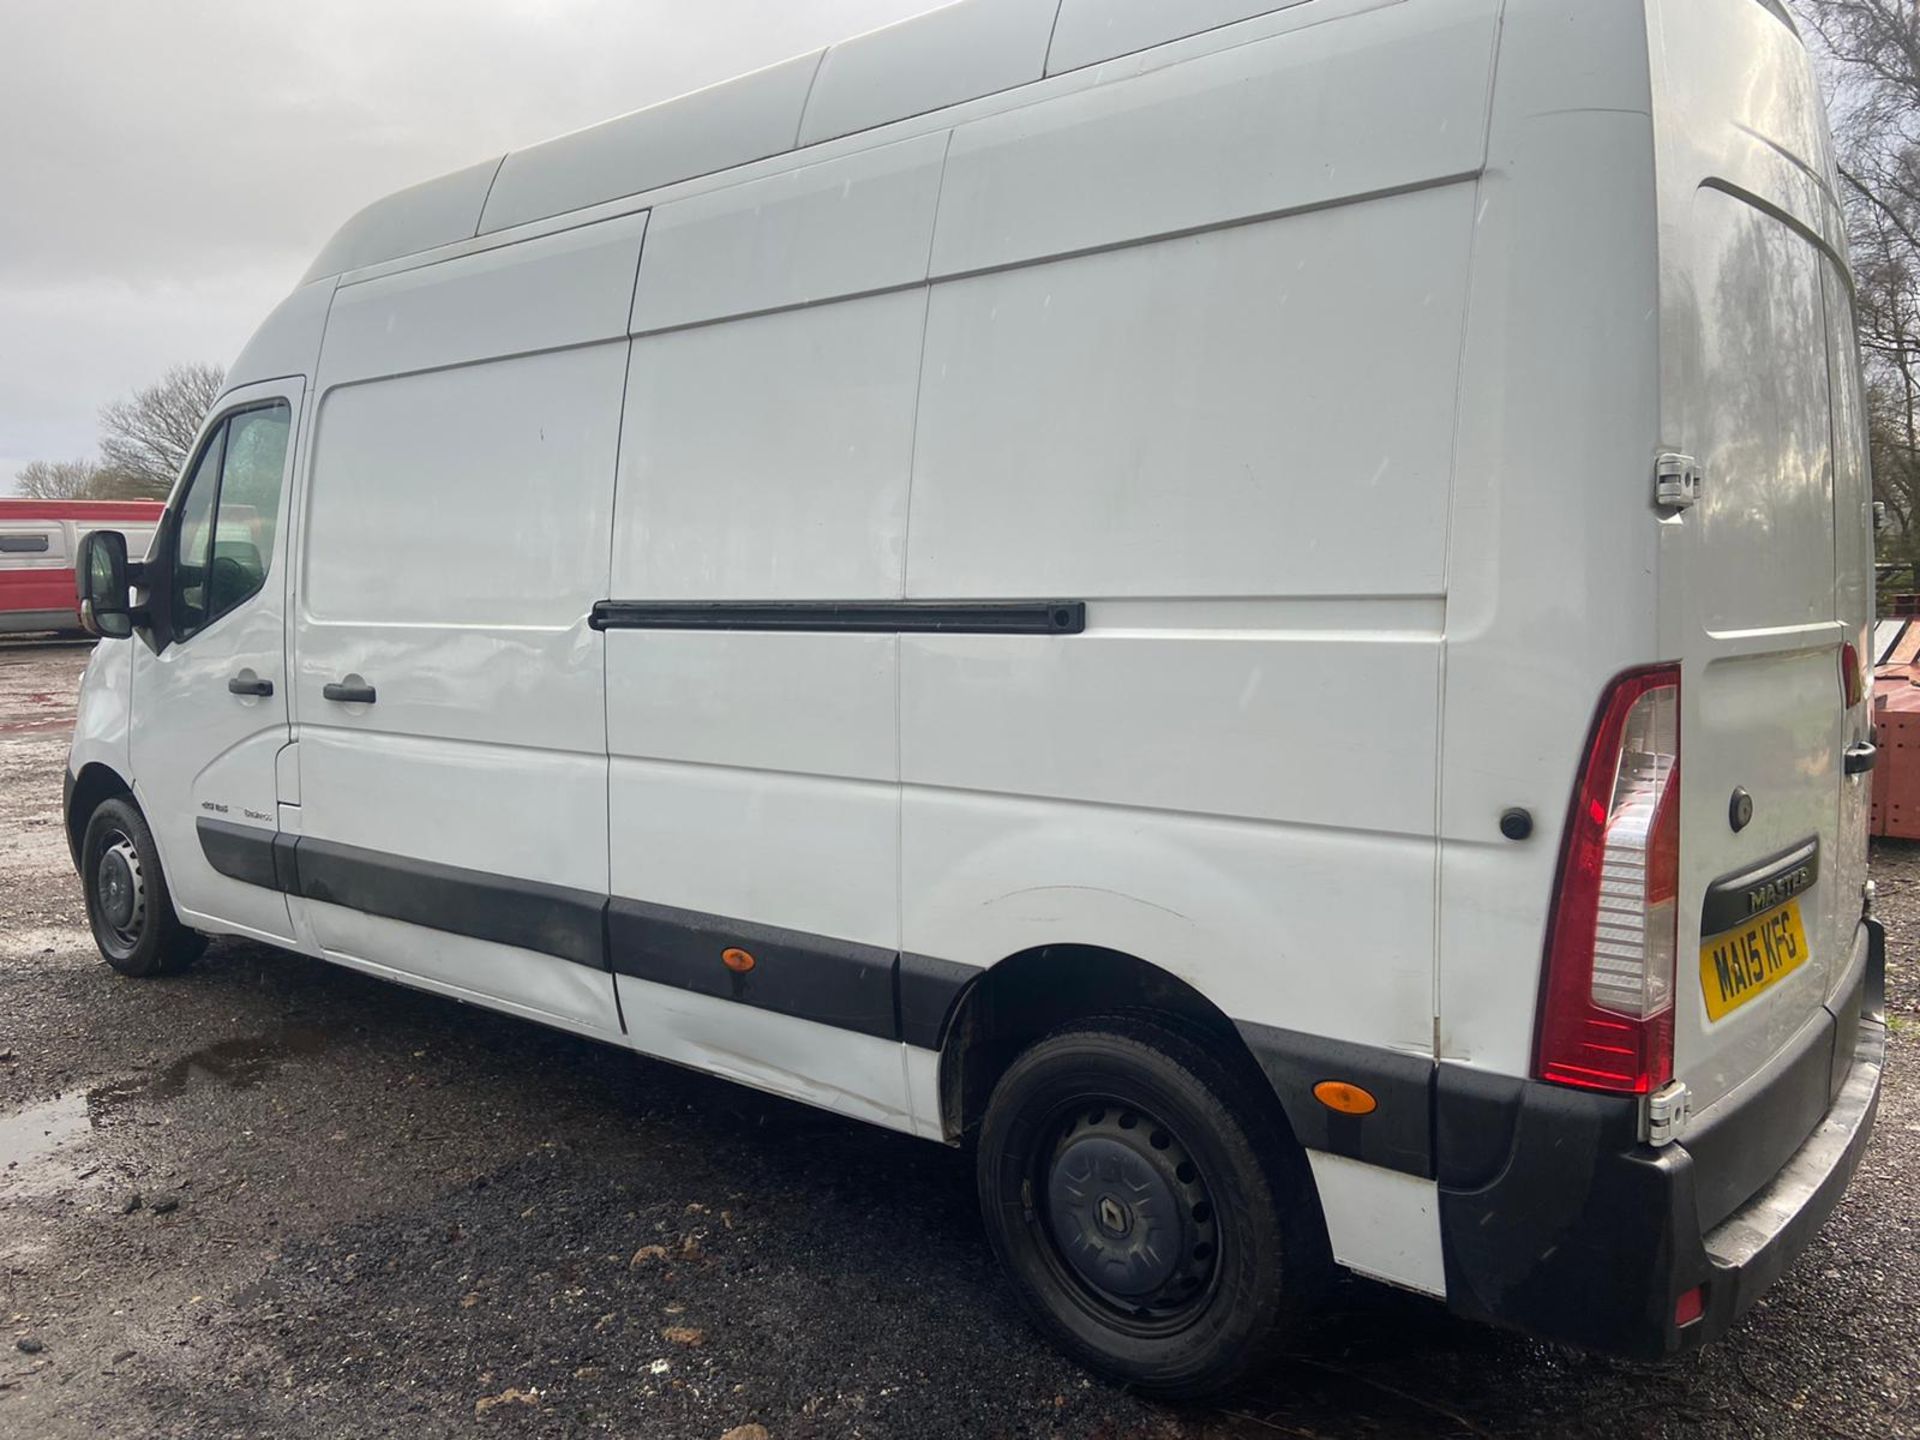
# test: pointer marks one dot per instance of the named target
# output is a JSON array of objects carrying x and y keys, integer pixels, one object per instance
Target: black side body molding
[
  {"x": 548, "y": 919},
  {"x": 898, "y": 617},
  {"x": 810, "y": 977},
  {"x": 1397, "y": 1135},
  {"x": 866, "y": 989}
]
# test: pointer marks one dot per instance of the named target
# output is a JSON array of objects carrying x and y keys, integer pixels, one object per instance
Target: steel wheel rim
[
  {"x": 1124, "y": 1217},
  {"x": 120, "y": 893}
]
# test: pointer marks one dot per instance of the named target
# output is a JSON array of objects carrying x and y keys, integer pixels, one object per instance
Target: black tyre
[
  {"x": 128, "y": 904},
  {"x": 1161, "y": 1228}
]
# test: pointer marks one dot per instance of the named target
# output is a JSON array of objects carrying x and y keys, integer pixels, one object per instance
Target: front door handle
[
  {"x": 247, "y": 683},
  {"x": 1861, "y": 757},
  {"x": 350, "y": 691}
]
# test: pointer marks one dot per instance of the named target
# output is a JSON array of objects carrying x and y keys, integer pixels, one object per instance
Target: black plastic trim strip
[
  {"x": 930, "y": 992},
  {"x": 547, "y": 919},
  {"x": 240, "y": 852},
  {"x": 1398, "y": 1135},
  {"x": 868, "y": 989},
  {"x": 1734, "y": 899},
  {"x": 899, "y": 617},
  {"x": 810, "y": 977},
  {"x": 526, "y": 914}
]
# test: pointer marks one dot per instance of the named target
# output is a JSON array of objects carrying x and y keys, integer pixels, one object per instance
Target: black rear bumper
[{"x": 1556, "y": 1219}]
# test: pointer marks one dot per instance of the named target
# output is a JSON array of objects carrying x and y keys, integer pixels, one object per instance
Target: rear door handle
[
  {"x": 350, "y": 691},
  {"x": 1862, "y": 757},
  {"x": 247, "y": 683}
]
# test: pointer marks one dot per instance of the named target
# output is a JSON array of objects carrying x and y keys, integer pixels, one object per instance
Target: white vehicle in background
[{"x": 1256, "y": 608}]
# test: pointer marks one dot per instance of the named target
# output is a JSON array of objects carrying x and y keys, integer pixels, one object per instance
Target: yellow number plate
[{"x": 1738, "y": 965}]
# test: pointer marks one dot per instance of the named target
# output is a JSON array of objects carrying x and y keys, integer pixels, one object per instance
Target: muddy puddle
[
  {"x": 45, "y": 1149},
  {"x": 238, "y": 1064}
]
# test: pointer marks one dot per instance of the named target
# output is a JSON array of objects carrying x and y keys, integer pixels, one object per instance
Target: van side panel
[
  {"x": 1551, "y": 531},
  {"x": 1300, "y": 119},
  {"x": 1207, "y": 417},
  {"x": 766, "y": 457},
  {"x": 840, "y": 227},
  {"x": 458, "y": 503},
  {"x": 1234, "y": 445}
]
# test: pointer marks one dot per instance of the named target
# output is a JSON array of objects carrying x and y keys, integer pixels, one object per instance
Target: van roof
[{"x": 958, "y": 52}]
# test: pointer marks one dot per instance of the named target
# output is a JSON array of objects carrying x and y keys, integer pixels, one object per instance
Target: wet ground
[{"x": 272, "y": 1197}]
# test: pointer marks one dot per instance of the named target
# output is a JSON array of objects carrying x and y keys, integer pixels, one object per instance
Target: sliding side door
[{"x": 448, "y": 686}]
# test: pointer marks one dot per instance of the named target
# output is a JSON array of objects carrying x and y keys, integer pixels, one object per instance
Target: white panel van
[{"x": 1255, "y": 609}]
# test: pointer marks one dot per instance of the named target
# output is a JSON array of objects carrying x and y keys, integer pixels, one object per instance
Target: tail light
[
  {"x": 1853, "y": 676},
  {"x": 1606, "y": 1015}
]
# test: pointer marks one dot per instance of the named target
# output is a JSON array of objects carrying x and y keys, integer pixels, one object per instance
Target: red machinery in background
[
  {"x": 1896, "y": 723},
  {"x": 38, "y": 540}
]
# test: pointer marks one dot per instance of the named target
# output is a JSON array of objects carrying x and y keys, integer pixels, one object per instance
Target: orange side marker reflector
[
  {"x": 738, "y": 961},
  {"x": 1347, "y": 1099}
]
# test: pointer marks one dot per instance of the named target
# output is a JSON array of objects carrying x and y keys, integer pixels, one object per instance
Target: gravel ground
[{"x": 274, "y": 1197}]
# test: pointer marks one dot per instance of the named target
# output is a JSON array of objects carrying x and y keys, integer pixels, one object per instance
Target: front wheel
[
  {"x": 128, "y": 904},
  {"x": 1159, "y": 1226}
]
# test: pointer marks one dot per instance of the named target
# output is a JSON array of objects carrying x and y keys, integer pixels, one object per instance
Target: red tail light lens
[
  {"x": 1853, "y": 676},
  {"x": 1606, "y": 1012}
]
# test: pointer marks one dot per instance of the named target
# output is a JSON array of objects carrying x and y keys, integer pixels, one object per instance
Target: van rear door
[{"x": 1766, "y": 583}]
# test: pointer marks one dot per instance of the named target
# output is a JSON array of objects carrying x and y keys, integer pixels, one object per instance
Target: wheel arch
[
  {"x": 1033, "y": 992},
  {"x": 96, "y": 783}
]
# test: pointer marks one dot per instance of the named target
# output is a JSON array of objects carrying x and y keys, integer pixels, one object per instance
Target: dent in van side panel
[
  {"x": 861, "y": 1076},
  {"x": 768, "y": 458},
  {"x": 737, "y": 121},
  {"x": 522, "y": 982},
  {"x": 1089, "y": 31},
  {"x": 964, "y": 49},
  {"x": 857, "y": 224},
  {"x": 1262, "y": 410},
  {"x": 564, "y": 289},
  {"x": 1382, "y": 100}
]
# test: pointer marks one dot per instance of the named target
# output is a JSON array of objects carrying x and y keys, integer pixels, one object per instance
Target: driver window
[
  {"x": 229, "y": 516},
  {"x": 250, "y": 478},
  {"x": 194, "y": 537}
]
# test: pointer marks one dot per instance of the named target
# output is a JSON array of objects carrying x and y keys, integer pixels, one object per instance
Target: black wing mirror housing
[{"x": 101, "y": 573}]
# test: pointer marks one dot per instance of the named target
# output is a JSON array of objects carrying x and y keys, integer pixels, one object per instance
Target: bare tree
[
  {"x": 146, "y": 438},
  {"x": 58, "y": 480},
  {"x": 1872, "y": 50}
]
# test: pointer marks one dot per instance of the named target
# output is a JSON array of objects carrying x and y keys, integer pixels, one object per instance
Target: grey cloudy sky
[{"x": 169, "y": 169}]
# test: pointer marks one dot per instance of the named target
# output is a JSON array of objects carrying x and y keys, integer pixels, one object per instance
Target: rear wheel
[
  {"x": 128, "y": 904},
  {"x": 1160, "y": 1227}
]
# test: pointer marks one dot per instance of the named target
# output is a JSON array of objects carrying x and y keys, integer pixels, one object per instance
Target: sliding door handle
[{"x": 350, "y": 691}]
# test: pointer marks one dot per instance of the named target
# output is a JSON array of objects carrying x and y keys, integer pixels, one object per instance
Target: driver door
[{"x": 209, "y": 684}]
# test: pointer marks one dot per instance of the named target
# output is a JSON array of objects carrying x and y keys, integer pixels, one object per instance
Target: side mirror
[{"x": 100, "y": 572}]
